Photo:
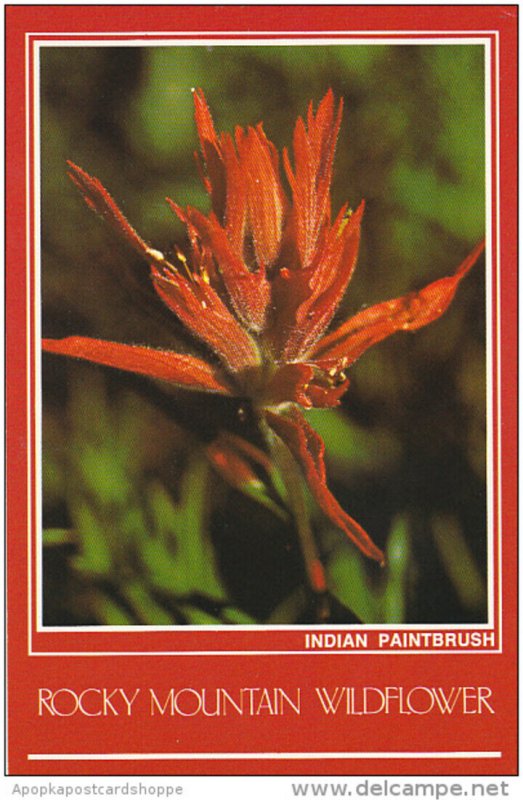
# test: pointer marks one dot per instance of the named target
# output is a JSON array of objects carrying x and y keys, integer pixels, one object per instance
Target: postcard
[{"x": 261, "y": 304}]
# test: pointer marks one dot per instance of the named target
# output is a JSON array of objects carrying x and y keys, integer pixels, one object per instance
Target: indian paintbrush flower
[{"x": 264, "y": 275}]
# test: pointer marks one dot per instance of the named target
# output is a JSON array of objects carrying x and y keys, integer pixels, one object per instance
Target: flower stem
[{"x": 293, "y": 481}]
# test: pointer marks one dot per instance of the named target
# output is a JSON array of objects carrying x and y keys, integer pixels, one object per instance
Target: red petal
[
  {"x": 205, "y": 315},
  {"x": 182, "y": 370},
  {"x": 290, "y": 384},
  {"x": 236, "y": 209},
  {"x": 326, "y": 396},
  {"x": 265, "y": 198},
  {"x": 99, "y": 200},
  {"x": 304, "y": 384},
  {"x": 407, "y": 313},
  {"x": 233, "y": 457},
  {"x": 242, "y": 184},
  {"x": 310, "y": 181},
  {"x": 291, "y": 288},
  {"x": 331, "y": 273},
  {"x": 308, "y": 449},
  {"x": 204, "y": 123},
  {"x": 249, "y": 291},
  {"x": 214, "y": 169}
]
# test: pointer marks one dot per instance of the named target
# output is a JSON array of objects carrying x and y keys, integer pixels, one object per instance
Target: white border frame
[{"x": 494, "y": 487}]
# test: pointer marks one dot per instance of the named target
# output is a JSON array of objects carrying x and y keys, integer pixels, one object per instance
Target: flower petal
[
  {"x": 330, "y": 276},
  {"x": 304, "y": 384},
  {"x": 326, "y": 396},
  {"x": 182, "y": 370},
  {"x": 207, "y": 317},
  {"x": 235, "y": 459},
  {"x": 236, "y": 208},
  {"x": 258, "y": 161},
  {"x": 196, "y": 303},
  {"x": 249, "y": 291},
  {"x": 99, "y": 200},
  {"x": 289, "y": 384},
  {"x": 314, "y": 146},
  {"x": 407, "y": 313},
  {"x": 308, "y": 449},
  {"x": 213, "y": 171}
]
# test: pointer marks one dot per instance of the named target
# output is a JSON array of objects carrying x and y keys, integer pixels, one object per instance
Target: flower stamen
[
  {"x": 181, "y": 257},
  {"x": 156, "y": 255}
]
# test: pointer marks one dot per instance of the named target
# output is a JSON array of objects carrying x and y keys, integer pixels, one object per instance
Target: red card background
[{"x": 95, "y": 660}]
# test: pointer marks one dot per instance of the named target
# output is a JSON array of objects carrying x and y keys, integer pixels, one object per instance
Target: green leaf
[
  {"x": 147, "y": 610},
  {"x": 191, "y": 562},
  {"x": 258, "y": 492},
  {"x": 95, "y": 555},
  {"x": 348, "y": 582},
  {"x": 196, "y": 616},
  {"x": 459, "y": 562},
  {"x": 290, "y": 609},
  {"x": 57, "y": 537},
  {"x": 160, "y": 565},
  {"x": 110, "y": 613},
  {"x": 394, "y": 600},
  {"x": 235, "y": 616},
  {"x": 352, "y": 446}
]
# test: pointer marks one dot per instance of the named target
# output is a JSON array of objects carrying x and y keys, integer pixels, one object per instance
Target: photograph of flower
[{"x": 264, "y": 353}]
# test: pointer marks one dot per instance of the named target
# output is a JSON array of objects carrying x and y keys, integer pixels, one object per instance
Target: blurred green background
[{"x": 138, "y": 529}]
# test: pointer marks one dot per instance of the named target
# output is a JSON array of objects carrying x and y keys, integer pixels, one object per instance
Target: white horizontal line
[
  {"x": 236, "y": 34},
  {"x": 227, "y": 40},
  {"x": 315, "y": 652},
  {"x": 253, "y": 756},
  {"x": 260, "y": 627}
]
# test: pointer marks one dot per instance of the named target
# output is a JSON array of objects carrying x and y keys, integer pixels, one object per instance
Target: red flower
[{"x": 261, "y": 284}]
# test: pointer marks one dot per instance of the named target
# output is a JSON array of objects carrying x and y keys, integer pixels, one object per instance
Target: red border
[
  {"x": 24, "y": 672},
  {"x": 259, "y": 18}
]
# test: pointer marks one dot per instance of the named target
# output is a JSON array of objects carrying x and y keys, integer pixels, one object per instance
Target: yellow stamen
[
  {"x": 182, "y": 258},
  {"x": 156, "y": 255},
  {"x": 343, "y": 224}
]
